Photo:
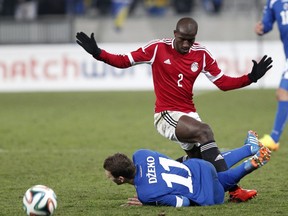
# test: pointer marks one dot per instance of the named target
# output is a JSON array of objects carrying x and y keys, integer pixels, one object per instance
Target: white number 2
[
  {"x": 180, "y": 79},
  {"x": 173, "y": 178}
]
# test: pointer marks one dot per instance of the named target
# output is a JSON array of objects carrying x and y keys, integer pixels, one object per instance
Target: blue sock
[
  {"x": 234, "y": 156},
  {"x": 231, "y": 177},
  {"x": 280, "y": 120}
]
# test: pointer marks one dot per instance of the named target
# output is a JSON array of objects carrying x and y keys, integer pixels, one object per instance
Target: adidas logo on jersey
[{"x": 167, "y": 61}]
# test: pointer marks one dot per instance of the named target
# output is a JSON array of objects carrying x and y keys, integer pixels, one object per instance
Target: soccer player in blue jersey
[
  {"x": 160, "y": 180},
  {"x": 277, "y": 11}
]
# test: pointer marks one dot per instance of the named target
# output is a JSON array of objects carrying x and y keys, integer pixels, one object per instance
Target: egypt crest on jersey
[{"x": 194, "y": 67}]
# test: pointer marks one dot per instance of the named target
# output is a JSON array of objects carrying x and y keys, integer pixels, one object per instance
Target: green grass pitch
[{"x": 61, "y": 139}]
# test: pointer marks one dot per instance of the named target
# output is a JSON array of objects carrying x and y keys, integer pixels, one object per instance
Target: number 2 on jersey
[{"x": 180, "y": 79}]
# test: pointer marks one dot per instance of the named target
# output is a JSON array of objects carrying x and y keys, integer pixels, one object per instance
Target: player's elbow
[{"x": 223, "y": 88}]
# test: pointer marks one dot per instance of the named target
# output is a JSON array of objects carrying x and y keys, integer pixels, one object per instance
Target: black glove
[
  {"x": 89, "y": 44},
  {"x": 260, "y": 69}
]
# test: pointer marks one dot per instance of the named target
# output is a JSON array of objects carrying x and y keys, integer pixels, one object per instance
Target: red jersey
[{"x": 174, "y": 74}]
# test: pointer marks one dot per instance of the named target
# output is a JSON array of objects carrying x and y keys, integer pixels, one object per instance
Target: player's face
[
  {"x": 183, "y": 42},
  {"x": 118, "y": 180}
]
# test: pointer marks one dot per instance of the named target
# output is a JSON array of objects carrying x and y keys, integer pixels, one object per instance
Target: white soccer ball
[{"x": 39, "y": 200}]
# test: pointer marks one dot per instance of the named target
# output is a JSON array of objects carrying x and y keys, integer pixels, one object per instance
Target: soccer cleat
[
  {"x": 241, "y": 195},
  {"x": 252, "y": 140},
  {"x": 259, "y": 159},
  {"x": 267, "y": 141}
]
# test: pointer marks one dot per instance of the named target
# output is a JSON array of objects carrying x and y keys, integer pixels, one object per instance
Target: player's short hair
[
  {"x": 120, "y": 165},
  {"x": 187, "y": 23}
]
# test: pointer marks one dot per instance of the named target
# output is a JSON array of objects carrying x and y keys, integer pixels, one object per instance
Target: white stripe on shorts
[{"x": 165, "y": 115}]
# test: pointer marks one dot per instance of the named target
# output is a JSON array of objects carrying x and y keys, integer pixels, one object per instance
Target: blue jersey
[
  {"x": 161, "y": 180},
  {"x": 277, "y": 10}
]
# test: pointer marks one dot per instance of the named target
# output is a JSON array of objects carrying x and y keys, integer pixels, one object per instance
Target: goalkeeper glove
[
  {"x": 259, "y": 69},
  {"x": 88, "y": 43}
]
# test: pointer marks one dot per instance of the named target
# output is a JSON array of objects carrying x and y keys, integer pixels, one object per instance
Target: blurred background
[
  {"x": 57, "y": 21},
  {"x": 38, "y": 51}
]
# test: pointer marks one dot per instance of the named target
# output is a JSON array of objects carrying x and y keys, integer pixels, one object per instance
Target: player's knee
[
  {"x": 281, "y": 95},
  {"x": 206, "y": 133}
]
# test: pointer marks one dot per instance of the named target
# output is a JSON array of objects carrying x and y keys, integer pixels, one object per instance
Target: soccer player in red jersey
[{"x": 176, "y": 63}]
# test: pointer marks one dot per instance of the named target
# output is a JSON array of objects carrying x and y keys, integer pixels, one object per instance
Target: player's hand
[
  {"x": 259, "y": 69},
  {"x": 134, "y": 201},
  {"x": 259, "y": 28},
  {"x": 88, "y": 43}
]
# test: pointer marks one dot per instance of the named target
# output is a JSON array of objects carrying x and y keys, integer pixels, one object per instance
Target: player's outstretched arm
[
  {"x": 259, "y": 69},
  {"x": 88, "y": 43}
]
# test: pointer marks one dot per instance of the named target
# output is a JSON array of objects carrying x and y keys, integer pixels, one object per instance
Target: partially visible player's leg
[
  {"x": 210, "y": 152},
  {"x": 190, "y": 130},
  {"x": 195, "y": 138},
  {"x": 193, "y": 153},
  {"x": 232, "y": 176},
  {"x": 166, "y": 124},
  {"x": 258, "y": 160},
  {"x": 281, "y": 117},
  {"x": 250, "y": 147},
  {"x": 281, "y": 114}
]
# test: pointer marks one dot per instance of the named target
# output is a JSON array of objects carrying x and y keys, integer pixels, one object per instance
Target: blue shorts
[{"x": 207, "y": 189}]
